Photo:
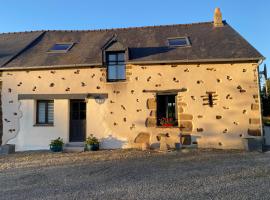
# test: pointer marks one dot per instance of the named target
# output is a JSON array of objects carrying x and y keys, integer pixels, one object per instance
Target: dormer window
[
  {"x": 116, "y": 68},
  {"x": 61, "y": 47},
  {"x": 179, "y": 42}
]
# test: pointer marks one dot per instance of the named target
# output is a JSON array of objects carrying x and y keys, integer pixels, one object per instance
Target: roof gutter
[
  {"x": 198, "y": 60},
  {"x": 51, "y": 67},
  {"x": 259, "y": 60}
]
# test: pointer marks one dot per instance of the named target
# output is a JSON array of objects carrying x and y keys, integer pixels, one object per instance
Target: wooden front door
[{"x": 77, "y": 130}]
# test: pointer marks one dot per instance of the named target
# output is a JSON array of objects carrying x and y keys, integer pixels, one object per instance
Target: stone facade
[{"x": 218, "y": 106}]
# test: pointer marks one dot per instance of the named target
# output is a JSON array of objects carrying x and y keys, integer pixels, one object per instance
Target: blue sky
[{"x": 251, "y": 18}]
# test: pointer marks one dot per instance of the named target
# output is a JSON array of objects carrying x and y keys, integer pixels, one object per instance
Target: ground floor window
[
  {"x": 166, "y": 110},
  {"x": 45, "y": 110}
]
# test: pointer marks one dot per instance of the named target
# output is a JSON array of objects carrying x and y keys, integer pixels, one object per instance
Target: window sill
[
  {"x": 116, "y": 82},
  {"x": 167, "y": 127},
  {"x": 43, "y": 125}
]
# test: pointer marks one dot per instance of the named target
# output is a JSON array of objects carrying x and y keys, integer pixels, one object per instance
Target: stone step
[
  {"x": 74, "y": 144},
  {"x": 70, "y": 149}
]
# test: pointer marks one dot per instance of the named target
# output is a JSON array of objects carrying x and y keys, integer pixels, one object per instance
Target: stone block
[
  {"x": 160, "y": 135},
  {"x": 254, "y": 132},
  {"x": 186, "y": 126},
  {"x": 151, "y": 103},
  {"x": 145, "y": 146},
  {"x": 181, "y": 104},
  {"x": 142, "y": 138},
  {"x": 218, "y": 117},
  {"x": 254, "y": 106},
  {"x": 186, "y": 139},
  {"x": 180, "y": 109},
  {"x": 255, "y": 96},
  {"x": 151, "y": 122},
  {"x": 7, "y": 149},
  {"x": 254, "y": 121},
  {"x": 199, "y": 129},
  {"x": 163, "y": 144},
  {"x": 185, "y": 117},
  {"x": 153, "y": 113}
]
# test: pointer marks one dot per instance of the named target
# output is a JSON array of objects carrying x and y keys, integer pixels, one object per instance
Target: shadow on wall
[{"x": 111, "y": 142}]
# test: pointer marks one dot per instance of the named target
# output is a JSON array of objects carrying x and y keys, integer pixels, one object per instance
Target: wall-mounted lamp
[{"x": 99, "y": 100}]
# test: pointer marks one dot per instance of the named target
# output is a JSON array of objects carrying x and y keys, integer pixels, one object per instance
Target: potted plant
[
  {"x": 166, "y": 122},
  {"x": 57, "y": 145},
  {"x": 92, "y": 143}
]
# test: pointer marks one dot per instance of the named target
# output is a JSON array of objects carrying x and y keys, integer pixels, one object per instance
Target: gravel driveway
[{"x": 131, "y": 174}]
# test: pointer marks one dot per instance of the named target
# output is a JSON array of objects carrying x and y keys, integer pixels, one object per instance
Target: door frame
[{"x": 70, "y": 118}]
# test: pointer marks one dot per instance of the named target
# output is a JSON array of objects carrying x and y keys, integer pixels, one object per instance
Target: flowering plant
[{"x": 166, "y": 121}]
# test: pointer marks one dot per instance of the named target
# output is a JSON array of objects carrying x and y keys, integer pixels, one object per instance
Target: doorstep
[{"x": 74, "y": 147}]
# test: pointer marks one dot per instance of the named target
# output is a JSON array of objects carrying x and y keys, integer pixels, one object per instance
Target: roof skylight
[
  {"x": 179, "y": 42},
  {"x": 60, "y": 48}
]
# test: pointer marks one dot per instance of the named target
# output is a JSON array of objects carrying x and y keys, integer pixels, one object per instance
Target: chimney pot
[{"x": 218, "y": 18}]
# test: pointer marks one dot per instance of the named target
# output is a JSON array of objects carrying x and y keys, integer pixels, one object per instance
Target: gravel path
[{"x": 131, "y": 174}]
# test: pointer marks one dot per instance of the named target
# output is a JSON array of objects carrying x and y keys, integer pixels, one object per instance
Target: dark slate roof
[
  {"x": 12, "y": 44},
  {"x": 144, "y": 44}
]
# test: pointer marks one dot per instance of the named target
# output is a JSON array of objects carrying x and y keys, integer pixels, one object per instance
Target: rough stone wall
[{"x": 129, "y": 110}]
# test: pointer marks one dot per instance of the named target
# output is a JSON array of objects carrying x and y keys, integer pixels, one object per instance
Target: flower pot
[
  {"x": 54, "y": 148},
  {"x": 92, "y": 147}
]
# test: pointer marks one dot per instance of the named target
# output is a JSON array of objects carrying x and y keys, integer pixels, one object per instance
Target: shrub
[
  {"x": 57, "y": 142},
  {"x": 91, "y": 140}
]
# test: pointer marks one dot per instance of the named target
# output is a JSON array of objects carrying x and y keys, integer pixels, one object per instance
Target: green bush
[
  {"x": 57, "y": 142},
  {"x": 91, "y": 140}
]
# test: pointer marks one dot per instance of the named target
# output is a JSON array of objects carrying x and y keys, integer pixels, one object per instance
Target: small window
[
  {"x": 166, "y": 110},
  {"x": 116, "y": 68},
  {"x": 60, "y": 48},
  {"x": 178, "y": 42},
  {"x": 45, "y": 110}
]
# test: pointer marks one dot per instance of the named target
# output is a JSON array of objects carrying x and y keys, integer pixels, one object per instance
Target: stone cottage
[{"x": 200, "y": 80}]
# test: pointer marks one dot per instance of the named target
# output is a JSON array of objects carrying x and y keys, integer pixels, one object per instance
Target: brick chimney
[{"x": 218, "y": 18}]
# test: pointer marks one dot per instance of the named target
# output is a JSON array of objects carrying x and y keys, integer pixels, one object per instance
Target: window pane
[
  {"x": 75, "y": 115},
  {"x": 111, "y": 57},
  {"x": 75, "y": 106},
  {"x": 82, "y": 106},
  {"x": 112, "y": 72},
  {"x": 50, "y": 112},
  {"x": 82, "y": 114},
  {"x": 171, "y": 106},
  {"x": 166, "y": 111},
  {"x": 116, "y": 66},
  {"x": 41, "y": 112},
  {"x": 178, "y": 42},
  {"x": 121, "y": 56},
  {"x": 60, "y": 47},
  {"x": 121, "y": 72}
]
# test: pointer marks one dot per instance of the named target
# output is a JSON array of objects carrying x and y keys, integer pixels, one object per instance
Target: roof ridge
[
  {"x": 112, "y": 29},
  {"x": 9, "y": 33}
]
